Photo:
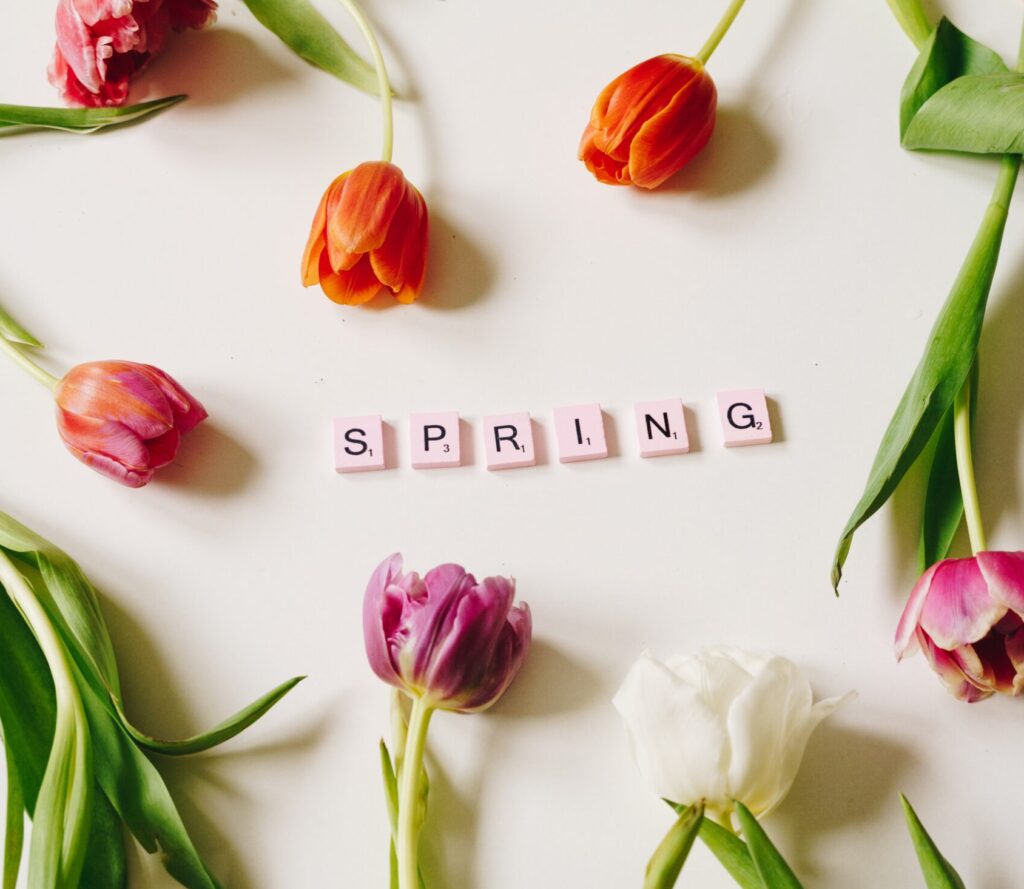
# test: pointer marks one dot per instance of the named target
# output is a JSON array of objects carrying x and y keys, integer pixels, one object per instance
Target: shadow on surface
[{"x": 210, "y": 463}]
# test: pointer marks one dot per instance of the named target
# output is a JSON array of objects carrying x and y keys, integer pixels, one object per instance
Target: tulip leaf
[
  {"x": 938, "y": 873},
  {"x": 391, "y": 799},
  {"x": 226, "y": 730},
  {"x": 770, "y": 865},
  {"x": 105, "y": 863},
  {"x": 301, "y": 27},
  {"x": 14, "y": 824},
  {"x": 667, "y": 862},
  {"x": 11, "y": 330},
  {"x": 948, "y": 357},
  {"x": 16, "y": 118},
  {"x": 732, "y": 853},
  {"x": 946, "y": 56}
]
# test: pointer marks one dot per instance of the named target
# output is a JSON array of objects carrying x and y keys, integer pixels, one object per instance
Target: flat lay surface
[{"x": 802, "y": 253}]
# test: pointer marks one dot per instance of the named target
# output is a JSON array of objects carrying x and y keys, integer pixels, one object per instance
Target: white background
[{"x": 804, "y": 252}]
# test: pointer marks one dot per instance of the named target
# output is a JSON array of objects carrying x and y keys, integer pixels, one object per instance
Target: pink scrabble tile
[
  {"x": 358, "y": 444},
  {"x": 661, "y": 428},
  {"x": 508, "y": 441},
  {"x": 744, "y": 415},
  {"x": 434, "y": 439},
  {"x": 580, "y": 433}
]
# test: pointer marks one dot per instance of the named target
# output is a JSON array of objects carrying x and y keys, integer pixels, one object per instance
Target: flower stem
[
  {"x": 383, "y": 84},
  {"x": 721, "y": 29},
  {"x": 965, "y": 467},
  {"x": 911, "y": 16},
  {"x": 407, "y": 847},
  {"x": 27, "y": 364}
]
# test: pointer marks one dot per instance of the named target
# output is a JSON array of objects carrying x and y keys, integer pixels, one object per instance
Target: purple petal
[
  {"x": 509, "y": 656},
  {"x": 381, "y": 609},
  {"x": 429, "y": 618},
  {"x": 958, "y": 609},
  {"x": 906, "y": 630},
  {"x": 950, "y": 672},
  {"x": 1004, "y": 573}
]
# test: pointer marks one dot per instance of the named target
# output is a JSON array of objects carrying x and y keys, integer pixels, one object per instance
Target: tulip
[
  {"x": 369, "y": 232},
  {"x": 102, "y": 44},
  {"x": 719, "y": 727},
  {"x": 650, "y": 122},
  {"x": 448, "y": 642},
  {"x": 124, "y": 420},
  {"x": 967, "y": 615}
]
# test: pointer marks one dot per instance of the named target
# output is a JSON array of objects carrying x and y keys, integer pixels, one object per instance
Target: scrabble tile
[
  {"x": 358, "y": 444},
  {"x": 434, "y": 439},
  {"x": 661, "y": 428},
  {"x": 744, "y": 415},
  {"x": 580, "y": 433},
  {"x": 508, "y": 441}
]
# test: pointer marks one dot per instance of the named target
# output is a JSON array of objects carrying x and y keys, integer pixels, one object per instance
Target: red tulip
[
  {"x": 124, "y": 420},
  {"x": 650, "y": 122},
  {"x": 370, "y": 231}
]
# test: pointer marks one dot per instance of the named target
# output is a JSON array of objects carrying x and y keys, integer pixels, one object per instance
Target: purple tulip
[
  {"x": 445, "y": 638},
  {"x": 968, "y": 617}
]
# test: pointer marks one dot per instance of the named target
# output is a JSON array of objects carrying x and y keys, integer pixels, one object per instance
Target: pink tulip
[
  {"x": 124, "y": 420},
  {"x": 101, "y": 44},
  {"x": 968, "y": 617},
  {"x": 445, "y": 638}
]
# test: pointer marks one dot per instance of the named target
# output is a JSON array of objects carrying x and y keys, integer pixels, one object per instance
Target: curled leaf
[{"x": 16, "y": 118}]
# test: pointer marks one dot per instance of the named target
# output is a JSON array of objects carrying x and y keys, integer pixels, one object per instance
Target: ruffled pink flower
[
  {"x": 124, "y": 420},
  {"x": 446, "y": 638},
  {"x": 101, "y": 44},
  {"x": 967, "y": 615}
]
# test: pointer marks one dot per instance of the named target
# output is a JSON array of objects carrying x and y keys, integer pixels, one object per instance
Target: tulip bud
[
  {"x": 966, "y": 615},
  {"x": 650, "y": 122},
  {"x": 445, "y": 638},
  {"x": 124, "y": 420},
  {"x": 370, "y": 231},
  {"x": 720, "y": 726}
]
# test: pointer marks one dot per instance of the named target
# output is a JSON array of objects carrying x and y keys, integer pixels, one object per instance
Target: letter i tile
[{"x": 580, "y": 433}]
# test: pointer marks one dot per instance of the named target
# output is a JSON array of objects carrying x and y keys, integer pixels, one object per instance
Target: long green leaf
[
  {"x": 13, "y": 331},
  {"x": 938, "y": 873},
  {"x": 105, "y": 864},
  {"x": 387, "y": 769},
  {"x": 946, "y": 56},
  {"x": 947, "y": 360},
  {"x": 732, "y": 853},
  {"x": 769, "y": 863},
  {"x": 14, "y": 823},
  {"x": 668, "y": 859},
  {"x": 225, "y": 731},
  {"x": 301, "y": 27},
  {"x": 78, "y": 120}
]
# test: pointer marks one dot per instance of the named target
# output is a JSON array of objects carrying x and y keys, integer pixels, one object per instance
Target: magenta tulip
[
  {"x": 968, "y": 617},
  {"x": 445, "y": 638}
]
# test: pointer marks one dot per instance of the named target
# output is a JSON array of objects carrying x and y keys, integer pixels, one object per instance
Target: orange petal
[
  {"x": 316, "y": 241},
  {"x": 360, "y": 212},
  {"x": 402, "y": 260},
  {"x": 352, "y": 287},
  {"x": 606, "y": 169}
]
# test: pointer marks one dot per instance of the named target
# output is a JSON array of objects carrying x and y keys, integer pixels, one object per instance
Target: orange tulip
[
  {"x": 369, "y": 232},
  {"x": 650, "y": 122}
]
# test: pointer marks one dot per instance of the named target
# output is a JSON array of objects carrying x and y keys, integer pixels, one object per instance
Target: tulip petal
[
  {"x": 349, "y": 288},
  {"x": 400, "y": 263},
  {"x": 116, "y": 391},
  {"x": 958, "y": 609},
  {"x": 906, "y": 630},
  {"x": 382, "y": 611},
  {"x": 188, "y": 412},
  {"x": 680, "y": 746},
  {"x": 360, "y": 211},
  {"x": 717, "y": 676},
  {"x": 130, "y": 478},
  {"x": 164, "y": 449},
  {"x": 431, "y": 616},
  {"x": 98, "y": 436},
  {"x": 506, "y": 661},
  {"x": 317, "y": 240},
  {"x": 950, "y": 671},
  {"x": 1004, "y": 574},
  {"x": 1015, "y": 652},
  {"x": 77, "y": 46}
]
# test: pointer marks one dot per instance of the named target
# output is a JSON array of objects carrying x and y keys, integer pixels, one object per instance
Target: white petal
[
  {"x": 715, "y": 675},
  {"x": 680, "y": 746}
]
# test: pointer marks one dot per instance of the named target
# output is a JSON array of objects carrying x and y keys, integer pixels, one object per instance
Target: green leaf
[
  {"x": 310, "y": 35},
  {"x": 732, "y": 853},
  {"x": 105, "y": 864},
  {"x": 946, "y": 56},
  {"x": 391, "y": 799},
  {"x": 78, "y": 120},
  {"x": 13, "y": 331},
  {"x": 770, "y": 865},
  {"x": 911, "y": 16},
  {"x": 947, "y": 360},
  {"x": 667, "y": 862},
  {"x": 938, "y": 873},
  {"x": 14, "y": 824},
  {"x": 226, "y": 730}
]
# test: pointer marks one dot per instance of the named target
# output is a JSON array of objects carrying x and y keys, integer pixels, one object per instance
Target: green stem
[
  {"x": 407, "y": 847},
  {"x": 383, "y": 84},
  {"x": 27, "y": 364},
  {"x": 721, "y": 29},
  {"x": 965, "y": 467},
  {"x": 911, "y": 16}
]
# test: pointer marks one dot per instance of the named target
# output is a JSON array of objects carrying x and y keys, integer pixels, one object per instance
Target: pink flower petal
[
  {"x": 906, "y": 630},
  {"x": 950, "y": 672},
  {"x": 1004, "y": 573},
  {"x": 958, "y": 609}
]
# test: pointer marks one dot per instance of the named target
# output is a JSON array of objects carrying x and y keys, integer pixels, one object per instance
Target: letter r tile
[
  {"x": 580, "y": 433},
  {"x": 661, "y": 428},
  {"x": 358, "y": 444},
  {"x": 744, "y": 416},
  {"x": 508, "y": 441},
  {"x": 434, "y": 439}
]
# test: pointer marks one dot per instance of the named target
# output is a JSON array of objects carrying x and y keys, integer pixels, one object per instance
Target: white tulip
[{"x": 720, "y": 726}]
